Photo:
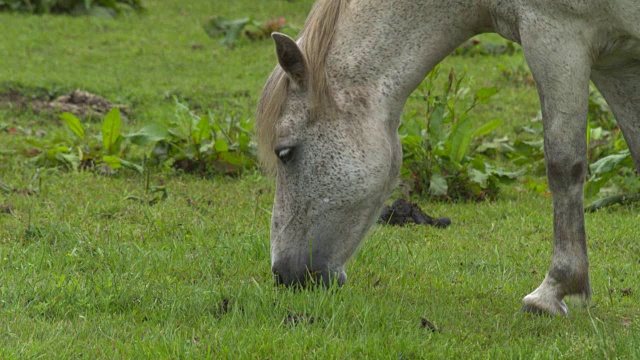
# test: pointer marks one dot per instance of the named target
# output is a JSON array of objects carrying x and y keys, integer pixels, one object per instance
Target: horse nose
[{"x": 284, "y": 275}]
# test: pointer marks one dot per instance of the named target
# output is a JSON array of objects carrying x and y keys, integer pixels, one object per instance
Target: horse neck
[{"x": 391, "y": 45}]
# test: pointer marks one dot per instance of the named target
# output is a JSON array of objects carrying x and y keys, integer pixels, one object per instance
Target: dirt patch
[
  {"x": 404, "y": 212},
  {"x": 80, "y": 103},
  {"x": 6, "y": 209},
  {"x": 624, "y": 292}
]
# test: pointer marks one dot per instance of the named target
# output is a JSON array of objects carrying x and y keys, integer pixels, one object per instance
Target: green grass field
[{"x": 86, "y": 273}]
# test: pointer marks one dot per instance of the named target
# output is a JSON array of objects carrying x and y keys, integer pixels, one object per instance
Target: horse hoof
[{"x": 538, "y": 306}]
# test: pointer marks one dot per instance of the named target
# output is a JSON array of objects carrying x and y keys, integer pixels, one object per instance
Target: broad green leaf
[
  {"x": 436, "y": 125},
  {"x": 244, "y": 140},
  {"x": 112, "y": 161},
  {"x": 213, "y": 28},
  {"x": 132, "y": 166},
  {"x": 484, "y": 94},
  {"x": 507, "y": 177},
  {"x": 595, "y": 133},
  {"x": 221, "y": 146},
  {"x": 206, "y": 146},
  {"x": 501, "y": 144},
  {"x": 115, "y": 148},
  {"x": 232, "y": 35},
  {"x": 450, "y": 115},
  {"x": 611, "y": 163},
  {"x": 594, "y": 184},
  {"x": 478, "y": 176},
  {"x": 620, "y": 144},
  {"x": 531, "y": 130},
  {"x": 73, "y": 123},
  {"x": 478, "y": 163},
  {"x": 189, "y": 152},
  {"x": 235, "y": 159},
  {"x": 149, "y": 134},
  {"x": 438, "y": 185},
  {"x": 605, "y": 169},
  {"x": 115, "y": 162},
  {"x": 412, "y": 142},
  {"x": 487, "y": 128},
  {"x": 68, "y": 159},
  {"x": 528, "y": 148},
  {"x": 504, "y": 175},
  {"x": 61, "y": 149},
  {"x": 219, "y": 25},
  {"x": 111, "y": 130},
  {"x": 230, "y": 28},
  {"x": 459, "y": 140},
  {"x": 202, "y": 131}
]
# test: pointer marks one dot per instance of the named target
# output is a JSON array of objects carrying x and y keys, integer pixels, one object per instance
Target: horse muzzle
[{"x": 305, "y": 277}]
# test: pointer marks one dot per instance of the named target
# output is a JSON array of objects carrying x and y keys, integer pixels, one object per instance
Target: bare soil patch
[{"x": 80, "y": 103}]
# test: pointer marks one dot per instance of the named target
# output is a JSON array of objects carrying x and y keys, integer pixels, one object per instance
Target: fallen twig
[{"x": 612, "y": 200}]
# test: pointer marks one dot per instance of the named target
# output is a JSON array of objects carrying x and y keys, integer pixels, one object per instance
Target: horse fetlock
[{"x": 570, "y": 280}]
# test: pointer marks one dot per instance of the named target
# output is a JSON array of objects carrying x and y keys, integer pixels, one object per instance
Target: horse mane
[{"x": 317, "y": 35}]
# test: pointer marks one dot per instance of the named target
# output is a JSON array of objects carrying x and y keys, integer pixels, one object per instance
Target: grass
[
  {"x": 88, "y": 274},
  {"x": 85, "y": 273}
]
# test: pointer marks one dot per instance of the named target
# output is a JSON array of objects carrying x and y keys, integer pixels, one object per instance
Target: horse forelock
[
  {"x": 316, "y": 38},
  {"x": 268, "y": 113}
]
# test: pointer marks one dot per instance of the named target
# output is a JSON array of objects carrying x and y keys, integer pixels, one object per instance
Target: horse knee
[{"x": 566, "y": 171}]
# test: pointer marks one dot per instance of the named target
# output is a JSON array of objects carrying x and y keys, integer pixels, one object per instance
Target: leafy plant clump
[
  {"x": 79, "y": 151},
  {"x": 74, "y": 7},
  {"x": 201, "y": 144},
  {"x": 611, "y": 168},
  {"x": 209, "y": 144},
  {"x": 437, "y": 152},
  {"x": 477, "y": 47},
  {"x": 608, "y": 153},
  {"x": 232, "y": 30}
]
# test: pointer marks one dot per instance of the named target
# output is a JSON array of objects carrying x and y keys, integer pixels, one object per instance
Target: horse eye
[{"x": 284, "y": 154}]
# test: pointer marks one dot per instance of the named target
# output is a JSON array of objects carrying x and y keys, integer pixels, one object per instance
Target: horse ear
[{"x": 290, "y": 57}]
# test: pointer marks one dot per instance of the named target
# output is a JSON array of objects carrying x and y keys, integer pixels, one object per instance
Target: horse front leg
[{"x": 561, "y": 67}]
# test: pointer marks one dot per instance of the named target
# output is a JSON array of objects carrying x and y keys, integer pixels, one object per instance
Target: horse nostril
[
  {"x": 282, "y": 275},
  {"x": 342, "y": 278}
]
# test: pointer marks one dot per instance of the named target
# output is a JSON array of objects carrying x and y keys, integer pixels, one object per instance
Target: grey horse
[{"x": 328, "y": 117}]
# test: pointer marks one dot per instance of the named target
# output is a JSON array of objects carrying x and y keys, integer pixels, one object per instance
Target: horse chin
[{"x": 306, "y": 279}]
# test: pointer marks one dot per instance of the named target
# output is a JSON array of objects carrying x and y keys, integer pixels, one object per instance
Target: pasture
[{"x": 86, "y": 272}]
